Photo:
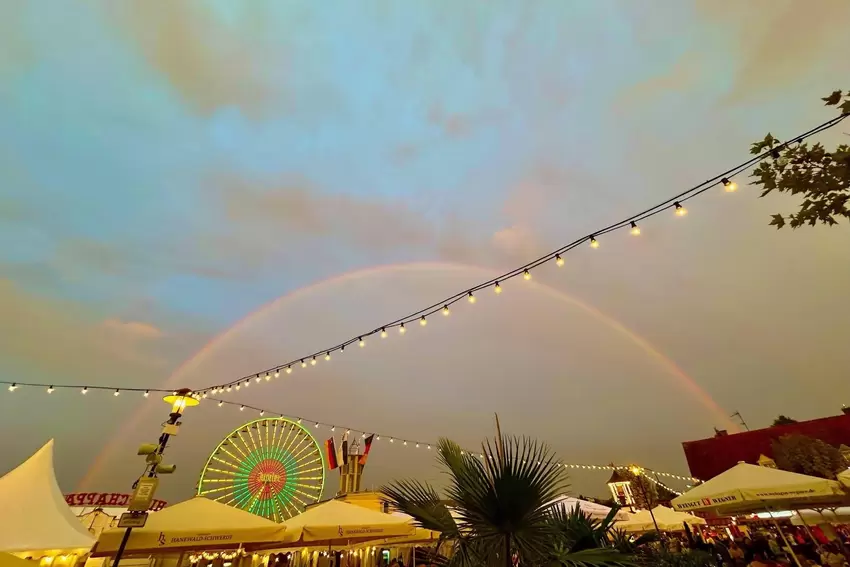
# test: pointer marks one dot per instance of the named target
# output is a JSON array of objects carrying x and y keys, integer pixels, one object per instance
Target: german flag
[
  {"x": 366, "y": 446},
  {"x": 330, "y": 450}
]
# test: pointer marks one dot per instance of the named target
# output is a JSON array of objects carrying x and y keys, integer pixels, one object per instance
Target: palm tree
[{"x": 500, "y": 503}]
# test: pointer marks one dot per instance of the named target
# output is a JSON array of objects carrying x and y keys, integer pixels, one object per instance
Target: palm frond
[{"x": 420, "y": 501}]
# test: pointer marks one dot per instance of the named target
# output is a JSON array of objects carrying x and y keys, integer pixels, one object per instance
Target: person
[
  {"x": 831, "y": 557},
  {"x": 736, "y": 555},
  {"x": 759, "y": 560}
]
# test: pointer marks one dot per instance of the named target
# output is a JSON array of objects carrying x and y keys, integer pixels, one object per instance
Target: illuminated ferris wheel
[{"x": 271, "y": 467}]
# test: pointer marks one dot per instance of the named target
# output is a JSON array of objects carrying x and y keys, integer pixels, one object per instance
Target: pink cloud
[{"x": 133, "y": 329}]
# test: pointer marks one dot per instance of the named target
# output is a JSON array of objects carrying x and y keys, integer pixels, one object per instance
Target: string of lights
[
  {"x": 631, "y": 223},
  {"x": 306, "y": 421},
  {"x": 426, "y": 445},
  {"x": 674, "y": 203}
]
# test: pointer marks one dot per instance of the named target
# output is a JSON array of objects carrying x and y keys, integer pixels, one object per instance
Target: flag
[
  {"x": 366, "y": 446},
  {"x": 331, "y": 454},
  {"x": 345, "y": 448}
]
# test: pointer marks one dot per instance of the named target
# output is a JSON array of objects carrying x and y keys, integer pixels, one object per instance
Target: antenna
[{"x": 741, "y": 419}]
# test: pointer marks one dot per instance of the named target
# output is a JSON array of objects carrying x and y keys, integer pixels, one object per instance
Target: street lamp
[{"x": 145, "y": 487}]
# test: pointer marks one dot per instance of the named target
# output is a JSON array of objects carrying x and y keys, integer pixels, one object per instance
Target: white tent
[
  {"x": 339, "y": 523},
  {"x": 668, "y": 520},
  {"x": 35, "y": 515},
  {"x": 195, "y": 524},
  {"x": 592, "y": 509},
  {"x": 745, "y": 488}
]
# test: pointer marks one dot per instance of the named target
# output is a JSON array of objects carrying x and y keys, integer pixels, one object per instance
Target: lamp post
[{"x": 145, "y": 486}]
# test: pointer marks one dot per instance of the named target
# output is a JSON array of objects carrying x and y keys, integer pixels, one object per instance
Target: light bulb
[
  {"x": 401, "y": 329},
  {"x": 248, "y": 382},
  {"x": 146, "y": 394},
  {"x": 257, "y": 379},
  {"x": 558, "y": 260},
  {"x": 593, "y": 242},
  {"x": 328, "y": 355},
  {"x": 405, "y": 443},
  {"x": 289, "y": 370},
  {"x": 84, "y": 391},
  {"x": 730, "y": 185},
  {"x": 333, "y": 427},
  {"x": 635, "y": 230},
  {"x": 117, "y": 392},
  {"x": 262, "y": 413},
  {"x": 268, "y": 377},
  {"x": 238, "y": 386},
  {"x": 50, "y": 390},
  {"x": 303, "y": 364},
  {"x": 526, "y": 275},
  {"x": 391, "y": 440},
  {"x": 313, "y": 361},
  {"x": 423, "y": 321},
  {"x": 317, "y": 425},
  {"x": 497, "y": 288},
  {"x": 429, "y": 447},
  {"x": 417, "y": 445},
  {"x": 277, "y": 373},
  {"x": 680, "y": 210},
  {"x": 383, "y": 332},
  {"x": 241, "y": 408},
  {"x": 446, "y": 310},
  {"x": 229, "y": 388},
  {"x": 470, "y": 297},
  {"x": 361, "y": 342},
  {"x": 220, "y": 404},
  {"x": 13, "y": 387}
]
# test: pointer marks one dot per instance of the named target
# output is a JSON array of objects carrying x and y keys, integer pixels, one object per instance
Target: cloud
[
  {"x": 49, "y": 337},
  {"x": 209, "y": 62},
  {"x": 133, "y": 329},
  {"x": 777, "y": 44}
]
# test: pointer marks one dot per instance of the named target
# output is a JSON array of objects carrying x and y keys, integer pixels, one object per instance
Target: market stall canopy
[
  {"x": 594, "y": 510},
  {"x": 339, "y": 523},
  {"x": 747, "y": 487},
  {"x": 668, "y": 520},
  {"x": 195, "y": 524},
  {"x": 35, "y": 515}
]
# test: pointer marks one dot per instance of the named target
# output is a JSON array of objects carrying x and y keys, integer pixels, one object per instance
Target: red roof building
[{"x": 708, "y": 458}]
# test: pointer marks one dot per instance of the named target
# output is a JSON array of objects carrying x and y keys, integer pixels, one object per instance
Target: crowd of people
[{"x": 768, "y": 549}]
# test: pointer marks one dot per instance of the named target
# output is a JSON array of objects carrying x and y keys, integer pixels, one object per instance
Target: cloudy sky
[{"x": 193, "y": 191}]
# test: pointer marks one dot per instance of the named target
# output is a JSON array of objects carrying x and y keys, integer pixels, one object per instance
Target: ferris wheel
[{"x": 271, "y": 467}]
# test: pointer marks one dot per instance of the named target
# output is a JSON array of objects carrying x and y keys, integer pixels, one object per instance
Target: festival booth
[
  {"x": 746, "y": 488},
  {"x": 217, "y": 532},
  {"x": 37, "y": 522},
  {"x": 667, "y": 519}
]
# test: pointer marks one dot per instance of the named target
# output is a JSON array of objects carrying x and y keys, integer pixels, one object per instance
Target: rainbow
[{"x": 679, "y": 377}]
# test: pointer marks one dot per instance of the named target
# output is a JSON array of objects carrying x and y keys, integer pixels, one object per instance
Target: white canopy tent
[
  {"x": 668, "y": 520},
  {"x": 747, "y": 488},
  {"x": 195, "y": 524},
  {"x": 592, "y": 509},
  {"x": 35, "y": 516}
]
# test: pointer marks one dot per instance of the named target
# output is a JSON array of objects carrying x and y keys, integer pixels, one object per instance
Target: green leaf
[{"x": 832, "y": 99}]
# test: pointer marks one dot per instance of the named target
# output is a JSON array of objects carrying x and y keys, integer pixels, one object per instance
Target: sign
[
  {"x": 142, "y": 497},
  {"x": 132, "y": 520},
  {"x": 107, "y": 500}
]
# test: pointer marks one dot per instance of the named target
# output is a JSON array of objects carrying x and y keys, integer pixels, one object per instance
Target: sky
[{"x": 195, "y": 191}]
